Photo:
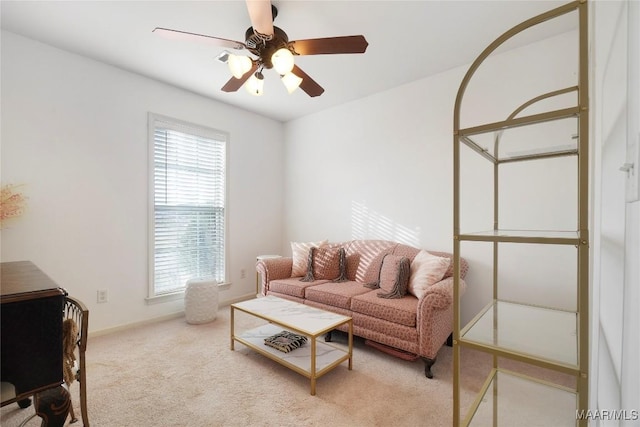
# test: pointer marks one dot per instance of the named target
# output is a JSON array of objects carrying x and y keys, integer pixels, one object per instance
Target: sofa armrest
[
  {"x": 273, "y": 269},
  {"x": 435, "y": 316},
  {"x": 441, "y": 293}
]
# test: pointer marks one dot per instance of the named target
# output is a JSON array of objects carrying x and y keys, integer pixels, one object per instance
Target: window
[{"x": 187, "y": 204}]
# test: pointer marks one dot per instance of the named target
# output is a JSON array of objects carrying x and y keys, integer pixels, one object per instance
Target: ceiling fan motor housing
[{"x": 264, "y": 49}]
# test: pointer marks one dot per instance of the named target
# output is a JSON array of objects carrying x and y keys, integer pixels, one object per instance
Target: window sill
[{"x": 158, "y": 299}]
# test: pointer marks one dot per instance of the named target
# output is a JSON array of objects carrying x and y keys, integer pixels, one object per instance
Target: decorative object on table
[
  {"x": 285, "y": 341},
  {"x": 12, "y": 203}
]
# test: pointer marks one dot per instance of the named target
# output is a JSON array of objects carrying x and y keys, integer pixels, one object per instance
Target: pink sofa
[{"x": 407, "y": 327}]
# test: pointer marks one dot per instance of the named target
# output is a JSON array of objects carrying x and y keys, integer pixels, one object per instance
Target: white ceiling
[{"x": 408, "y": 40}]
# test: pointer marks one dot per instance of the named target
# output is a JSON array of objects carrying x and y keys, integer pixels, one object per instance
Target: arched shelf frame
[{"x": 578, "y": 238}]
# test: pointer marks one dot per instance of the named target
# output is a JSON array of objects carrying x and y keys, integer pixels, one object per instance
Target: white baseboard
[{"x": 164, "y": 317}]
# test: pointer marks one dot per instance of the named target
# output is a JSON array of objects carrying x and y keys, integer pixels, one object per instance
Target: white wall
[
  {"x": 74, "y": 134},
  {"x": 382, "y": 166},
  {"x": 615, "y": 374}
]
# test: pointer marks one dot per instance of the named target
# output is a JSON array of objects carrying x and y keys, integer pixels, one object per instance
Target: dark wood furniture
[
  {"x": 75, "y": 310},
  {"x": 31, "y": 339}
]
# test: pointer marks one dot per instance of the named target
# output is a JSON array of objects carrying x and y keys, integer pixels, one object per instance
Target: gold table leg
[
  {"x": 232, "y": 328},
  {"x": 350, "y": 345},
  {"x": 313, "y": 366}
]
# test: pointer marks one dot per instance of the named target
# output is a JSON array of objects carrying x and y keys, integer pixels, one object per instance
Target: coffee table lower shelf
[{"x": 300, "y": 360}]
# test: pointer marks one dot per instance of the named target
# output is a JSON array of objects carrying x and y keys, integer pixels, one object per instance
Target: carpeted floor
[{"x": 171, "y": 373}]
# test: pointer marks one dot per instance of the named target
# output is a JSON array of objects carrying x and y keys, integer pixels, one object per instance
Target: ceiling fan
[{"x": 272, "y": 49}]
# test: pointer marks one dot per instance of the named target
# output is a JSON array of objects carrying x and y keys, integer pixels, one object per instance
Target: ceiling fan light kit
[
  {"x": 282, "y": 61},
  {"x": 239, "y": 65},
  {"x": 291, "y": 82},
  {"x": 255, "y": 84},
  {"x": 273, "y": 49}
]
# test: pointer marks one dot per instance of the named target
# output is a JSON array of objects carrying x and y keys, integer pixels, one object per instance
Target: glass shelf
[
  {"x": 524, "y": 236},
  {"x": 520, "y": 400},
  {"x": 555, "y": 134},
  {"x": 543, "y": 334}
]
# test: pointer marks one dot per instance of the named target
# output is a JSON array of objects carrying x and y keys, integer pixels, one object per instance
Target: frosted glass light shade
[
  {"x": 239, "y": 65},
  {"x": 282, "y": 61},
  {"x": 291, "y": 82},
  {"x": 255, "y": 85}
]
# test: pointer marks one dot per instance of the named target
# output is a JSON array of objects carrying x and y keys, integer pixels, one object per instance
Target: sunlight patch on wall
[{"x": 369, "y": 224}]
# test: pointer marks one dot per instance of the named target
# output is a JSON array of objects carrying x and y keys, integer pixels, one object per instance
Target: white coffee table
[{"x": 313, "y": 359}]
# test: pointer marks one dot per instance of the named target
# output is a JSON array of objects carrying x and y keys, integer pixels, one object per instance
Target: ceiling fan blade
[
  {"x": 234, "y": 84},
  {"x": 183, "y": 35},
  {"x": 330, "y": 45},
  {"x": 310, "y": 86},
  {"x": 261, "y": 16}
]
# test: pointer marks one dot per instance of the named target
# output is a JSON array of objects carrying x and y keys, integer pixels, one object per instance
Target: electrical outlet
[
  {"x": 243, "y": 273},
  {"x": 102, "y": 295}
]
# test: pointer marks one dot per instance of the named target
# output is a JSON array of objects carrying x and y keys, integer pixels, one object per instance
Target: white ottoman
[{"x": 201, "y": 301}]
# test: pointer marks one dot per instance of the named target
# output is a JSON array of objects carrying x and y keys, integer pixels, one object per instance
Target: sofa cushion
[
  {"x": 393, "y": 334},
  {"x": 300, "y": 253},
  {"x": 335, "y": 294},
  {"x": 292, "y": 286},
  {"x": 397, "y": 310},
  {"x": 331, "y": 308},
  {"x": 426, "y": 269}
]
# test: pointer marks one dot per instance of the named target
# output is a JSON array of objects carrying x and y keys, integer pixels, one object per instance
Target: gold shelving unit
[{"x": 546, "y": 337}]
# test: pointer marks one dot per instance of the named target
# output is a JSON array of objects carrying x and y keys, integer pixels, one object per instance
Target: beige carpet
[{"x": 174, "y": 374}]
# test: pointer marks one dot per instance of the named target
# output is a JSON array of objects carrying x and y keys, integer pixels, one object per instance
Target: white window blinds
[{"x": 189, "y": 165}]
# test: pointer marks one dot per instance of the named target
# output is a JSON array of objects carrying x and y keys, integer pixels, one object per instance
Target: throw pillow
[
  {"x": 300, "y": 253},
  {"x": 393, "y": 277},
  {"x": 351, "y": 268},
  {"x": 372, "y": 272},
  {"x": 426, "y": 269},
  {"x": 325, "y": 263}
]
